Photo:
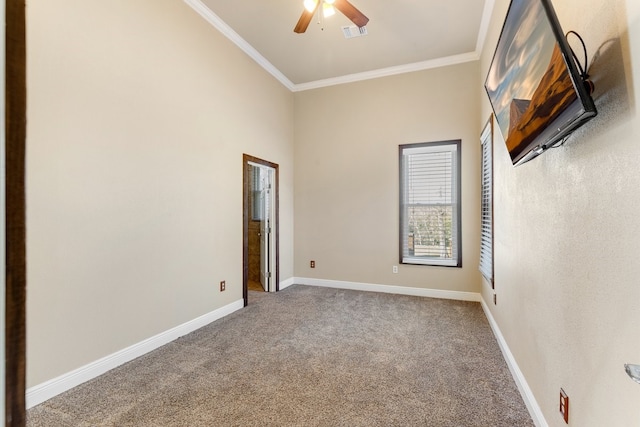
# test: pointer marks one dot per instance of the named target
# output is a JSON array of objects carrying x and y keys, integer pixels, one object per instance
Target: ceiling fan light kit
[
  {"x": 328, "y": 10},
  {"x": 347, "y": 9},
  {"x": 310, "y": 5}
]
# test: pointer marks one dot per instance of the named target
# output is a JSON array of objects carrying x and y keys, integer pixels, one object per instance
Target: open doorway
[
  {"x": 261, "y": 240},
  {"x": 260, "y": 226}
]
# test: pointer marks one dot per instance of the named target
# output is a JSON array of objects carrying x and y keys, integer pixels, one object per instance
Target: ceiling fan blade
[
  {"x": 351, "y": 12},
  {"x": 304, "y": 20}
]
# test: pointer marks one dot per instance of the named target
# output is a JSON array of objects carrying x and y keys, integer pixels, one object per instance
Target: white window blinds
[
  {"x": 486, "y": 215},
  {"x": 430, "y": 204}
]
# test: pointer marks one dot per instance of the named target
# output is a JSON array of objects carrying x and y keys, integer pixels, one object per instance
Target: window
[
  {"x": 259, "y": 188},
  {"x": 430, "y": 204},
  {"x": 486, "y": 215}
]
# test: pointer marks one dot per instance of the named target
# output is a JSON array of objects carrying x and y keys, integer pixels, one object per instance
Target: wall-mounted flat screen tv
[{"x": 536, "y": 92}]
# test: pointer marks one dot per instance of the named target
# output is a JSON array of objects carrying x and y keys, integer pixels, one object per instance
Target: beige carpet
[{"x": 310, "y": 356}]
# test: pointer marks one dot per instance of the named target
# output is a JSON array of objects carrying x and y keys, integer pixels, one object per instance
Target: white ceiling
[{"x": 403, "y": 36}]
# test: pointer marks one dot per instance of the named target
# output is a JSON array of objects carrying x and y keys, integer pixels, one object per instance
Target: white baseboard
[
  {"x": 390, "y": 289},
  {"x": 45, "y": 391},
  {"x": 518, "y": 376},
  {"x": 286, "y": 283}
]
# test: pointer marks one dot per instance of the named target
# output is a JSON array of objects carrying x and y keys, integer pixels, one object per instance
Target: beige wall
[
  {"x": 139, "y": 113},
  {"x": 567, "y": 234},
  {"x": 346, "y": 174}
]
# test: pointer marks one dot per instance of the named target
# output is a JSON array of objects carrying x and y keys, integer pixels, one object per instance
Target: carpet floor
[{"x": 311, "y": 356}]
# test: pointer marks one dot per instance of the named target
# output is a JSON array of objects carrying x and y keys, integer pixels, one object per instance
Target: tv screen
[{"x": 536, "y": 92}]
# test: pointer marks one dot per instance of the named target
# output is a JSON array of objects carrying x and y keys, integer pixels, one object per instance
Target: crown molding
[
  {"x": 228, "y": 32},
  {"x": 484, "y": 25},
  {"x": 390, "y": 71}
]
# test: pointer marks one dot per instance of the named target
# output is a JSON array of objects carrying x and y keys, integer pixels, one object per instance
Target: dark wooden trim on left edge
[{"x": 15, "y": 220}]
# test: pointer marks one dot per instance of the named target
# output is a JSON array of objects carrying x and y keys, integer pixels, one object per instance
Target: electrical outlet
[
  {"x": 312, "y": 264},
  {"x": 564, "y": 406},
  {"x": 395, "y": 269},
  {"x": 223, "y": 286}
]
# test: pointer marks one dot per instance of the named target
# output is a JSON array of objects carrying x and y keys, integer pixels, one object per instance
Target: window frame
[
  {"x": 256, "y": 194},
  {"x": 486, "y": 260},
  {"x": 454, "y": 147}
]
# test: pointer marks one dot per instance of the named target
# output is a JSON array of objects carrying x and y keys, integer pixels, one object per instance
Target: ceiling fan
[{"x": 347, "y": 9}]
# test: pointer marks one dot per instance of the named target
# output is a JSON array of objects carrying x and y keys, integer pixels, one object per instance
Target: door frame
[
  {"x": 267, "y": 238},
  {"x": 246, "y": 216}
]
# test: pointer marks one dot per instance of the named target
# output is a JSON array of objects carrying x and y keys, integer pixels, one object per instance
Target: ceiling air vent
[{"x": 354, "y": 31}]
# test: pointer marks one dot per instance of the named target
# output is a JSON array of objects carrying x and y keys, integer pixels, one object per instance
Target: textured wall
[
  {"x": 567, "y": 234},
  {"x": 139, "y": 113},
  {"x": 346, "y": 194}
]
